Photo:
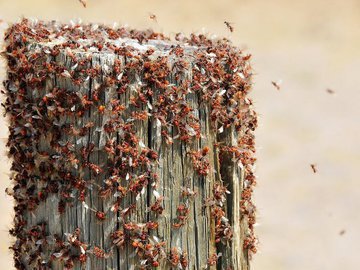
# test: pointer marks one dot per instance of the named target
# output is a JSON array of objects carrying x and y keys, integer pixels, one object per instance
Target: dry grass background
[{"x": 311, "y": 45}]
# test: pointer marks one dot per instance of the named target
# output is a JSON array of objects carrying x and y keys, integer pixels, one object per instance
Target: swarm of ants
[{"x": 46, "y": 141}]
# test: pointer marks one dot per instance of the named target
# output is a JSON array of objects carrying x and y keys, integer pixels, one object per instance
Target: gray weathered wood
[{"x": 174, "y": 169}]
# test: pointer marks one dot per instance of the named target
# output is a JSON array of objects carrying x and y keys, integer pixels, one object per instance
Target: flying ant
[
  {"x": 100, "y": 253},
  {"x": 183, "y": 260},
  {"x": 277, "y": 84},
  {"x": 330, "y": 91},
  {"x": 213, "y": 259},
  {"x": 183, "y": 215},
  {"x": 99, "y": 214},
  {"x": 174, "y": 257},
  {"x": 313, "y": 167},
  {"x": 83, "y": 2},
  {"x": 229, "y": 26},
  {"x": 153, "y": 17}
]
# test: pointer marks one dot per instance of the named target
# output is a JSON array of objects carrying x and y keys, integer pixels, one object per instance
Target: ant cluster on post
[{"x": 77, "y": 131}]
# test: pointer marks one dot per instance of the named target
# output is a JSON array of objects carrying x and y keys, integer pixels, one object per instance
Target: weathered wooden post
[{"x": 130, "y": 151}]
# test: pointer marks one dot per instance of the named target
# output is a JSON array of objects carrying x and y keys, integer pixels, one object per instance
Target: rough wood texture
[{"x": 196, "y": 151}]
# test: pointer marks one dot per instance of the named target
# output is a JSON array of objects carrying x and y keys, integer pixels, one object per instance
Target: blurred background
[{"x": 306, "y": 220}]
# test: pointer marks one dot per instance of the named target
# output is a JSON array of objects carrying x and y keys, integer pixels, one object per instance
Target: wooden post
[{"x": 130, "y": 151}]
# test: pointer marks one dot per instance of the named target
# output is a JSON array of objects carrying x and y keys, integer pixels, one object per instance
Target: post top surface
[{"x": 94, "y": 38}]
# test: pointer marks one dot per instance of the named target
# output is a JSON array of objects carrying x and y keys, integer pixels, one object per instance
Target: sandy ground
[{"x": 311, "y": 45}]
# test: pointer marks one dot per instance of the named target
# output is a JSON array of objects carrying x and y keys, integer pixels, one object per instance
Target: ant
[
  {"x": 276, "y": 84},
  {"x": 153, "y": 17},
  {"x": 83, "y": 2},
  {"x": 229, "y": 26},
  {"x": 313, "y": 167}
]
